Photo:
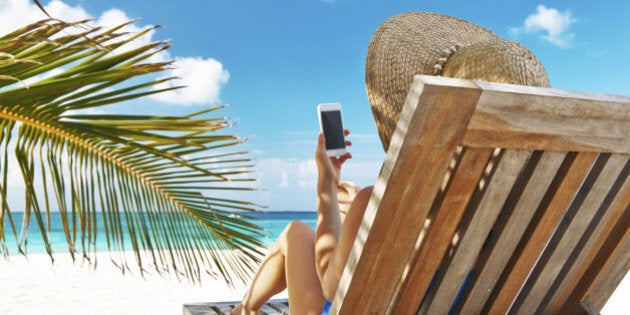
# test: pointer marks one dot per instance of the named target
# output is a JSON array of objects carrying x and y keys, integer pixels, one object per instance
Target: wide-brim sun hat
[{"x": 427, "y": 43}]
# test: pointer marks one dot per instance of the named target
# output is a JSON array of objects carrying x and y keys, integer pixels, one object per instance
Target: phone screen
[{"x": 333, "y": 130}]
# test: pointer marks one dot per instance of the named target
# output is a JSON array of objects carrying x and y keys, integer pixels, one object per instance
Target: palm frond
[
  {"x": 154, "y": 181},
  {"x": 39, "y": 5}
]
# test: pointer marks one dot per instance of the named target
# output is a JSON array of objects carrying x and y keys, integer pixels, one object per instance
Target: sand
[{"x": 34, "y": 286}]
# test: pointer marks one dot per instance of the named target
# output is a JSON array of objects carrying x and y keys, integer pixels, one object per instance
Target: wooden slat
[
  {"x": 606, "y": 272},
  {"x": 517, "y": 222},
  {"x": 595, "y": 246},
  {"x": 267, "y": 309},
  {"x": 526, "y": 257},
  {"x": 477, "y": 231},
  {"x": 197, "y": 309},
  {"x": 280, "y": 306},
  {"x": 275, "y": 306},
  {"x": 223, "y": 309},
  {"x": 612, "y": 261},
  {"x": 219, "y": 308},
  {"x": 566, "y": 237},
  {"x": 411, "y": 176},
  {"x": 613, "y": 271},
  {"x": 588, "y": 308},
  {"x": 469, "y": 171},
  {"x": 523, "y": 117}
]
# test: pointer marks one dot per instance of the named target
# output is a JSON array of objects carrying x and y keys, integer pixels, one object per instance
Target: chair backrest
[{"x": 495, "y": 198}]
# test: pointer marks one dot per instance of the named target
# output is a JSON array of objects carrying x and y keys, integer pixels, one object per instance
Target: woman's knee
[
  {"x": 297, "y": 231},
  {"x": 365, "y": 192},
  {"x": 363, "y": 198}
]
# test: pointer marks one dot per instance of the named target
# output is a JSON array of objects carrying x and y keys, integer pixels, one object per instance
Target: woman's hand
[{"x": 330, "y": 167}]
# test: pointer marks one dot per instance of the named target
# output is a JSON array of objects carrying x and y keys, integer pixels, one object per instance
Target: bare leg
[
  {"x": 290, "y": 263},
  {"x": 305, "y": 290},
  {"x": 269, "y": 280}
]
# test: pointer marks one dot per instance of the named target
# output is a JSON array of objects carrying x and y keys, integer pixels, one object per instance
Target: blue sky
[{"x": 273, "y": 61}]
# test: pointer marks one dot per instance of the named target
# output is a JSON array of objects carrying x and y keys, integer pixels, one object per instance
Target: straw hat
[{"x": 426, "y": 43}]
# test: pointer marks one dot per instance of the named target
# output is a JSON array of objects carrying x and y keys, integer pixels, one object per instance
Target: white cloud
[
  {"x": 285, "y": 180},
  {"x": 115, "y": 17},
  {"x": 203, "y": 77},
  {"x": 287, "y": 173},
  {"x": 16, "y": 13},
  {"x": 307, "y": 174},
  {"x": 553, "y": 23},
  {"x": 59, "y": 9},
  {"x": 279, "y": 180},
  {"x": 307, "y": 169},
  {"x": 291, "y": 184}
]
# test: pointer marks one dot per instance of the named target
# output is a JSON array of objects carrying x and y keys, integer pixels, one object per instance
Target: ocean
[{"x": 272, "y": 221}]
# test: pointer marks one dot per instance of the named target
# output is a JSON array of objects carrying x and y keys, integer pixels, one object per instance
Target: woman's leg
[
  {"x": 305, "y": 289},
  {"x": 268, "y": 281},
  {"x": 289, "y": 264}
]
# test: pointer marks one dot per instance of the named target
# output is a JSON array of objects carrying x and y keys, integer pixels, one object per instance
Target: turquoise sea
[{"x": 273, "y": 221}]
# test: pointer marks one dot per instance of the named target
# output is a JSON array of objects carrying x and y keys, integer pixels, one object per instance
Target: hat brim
[{"x": 423, "y": 43}]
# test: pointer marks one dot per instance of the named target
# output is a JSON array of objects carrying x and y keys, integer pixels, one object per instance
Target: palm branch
[{"x": 155, "y": 182}]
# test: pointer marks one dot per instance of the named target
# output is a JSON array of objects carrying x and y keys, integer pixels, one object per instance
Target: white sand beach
[{"x": 34, "y": 286}]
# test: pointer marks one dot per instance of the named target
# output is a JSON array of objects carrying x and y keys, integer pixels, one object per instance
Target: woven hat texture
[{"x": 427, "y": 43}]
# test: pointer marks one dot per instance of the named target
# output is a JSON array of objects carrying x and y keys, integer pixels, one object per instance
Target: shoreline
[{"x": 33, "y": 285}]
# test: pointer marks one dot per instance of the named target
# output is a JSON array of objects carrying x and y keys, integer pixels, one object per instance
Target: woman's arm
[
  {"x": 328, "y": 217},
  {"x": 330, "y": 258},
  {"x": 338, "y": 255},
  {"x": 327, "y": 231}
]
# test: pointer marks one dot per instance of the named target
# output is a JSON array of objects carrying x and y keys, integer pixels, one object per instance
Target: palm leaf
[
  {"x": 154, "y": 181},
  {"x": 41, "y": 7}
]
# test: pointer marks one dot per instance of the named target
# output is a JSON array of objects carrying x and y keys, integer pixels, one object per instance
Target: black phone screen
[{"x": 333, "y": 129}]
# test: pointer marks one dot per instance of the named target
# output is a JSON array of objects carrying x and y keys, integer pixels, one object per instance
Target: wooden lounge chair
[
  {"x": 278, "y": 306},
  {"x": 495, "y": 198}
]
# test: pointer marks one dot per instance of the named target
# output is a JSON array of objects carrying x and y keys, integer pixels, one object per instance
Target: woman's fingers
[
  {"x": 320, "y": 152},
  {"x": 321, "y": 144},
  {"x": 332, "y": 163},
  {"x": 347, "y": 133},
  {"x": 345, "y": 157}
]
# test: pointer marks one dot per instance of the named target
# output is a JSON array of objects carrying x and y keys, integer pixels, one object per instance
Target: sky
[{"x": 273, "y": 61}]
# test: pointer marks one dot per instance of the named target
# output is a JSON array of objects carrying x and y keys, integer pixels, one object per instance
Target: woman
[{"x": 310, "y": 263}]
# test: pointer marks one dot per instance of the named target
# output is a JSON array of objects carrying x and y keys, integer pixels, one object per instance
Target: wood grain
[
  {"x": 595, "y": 247},
  {"x": 535, "y": 239},
  {"x": 510, "y": 116},
  {"x": 567, "y": 235},
  {"x": 560, "y": 229},
  {"x": 438, "y": 239},
  {"x": 403, "y": 195},
  {"x": 512, "y": 231},
  {"x": 477, "y": 230}
]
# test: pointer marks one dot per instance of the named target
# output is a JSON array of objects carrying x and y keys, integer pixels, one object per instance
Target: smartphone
[{"x": 331, "y": 124}]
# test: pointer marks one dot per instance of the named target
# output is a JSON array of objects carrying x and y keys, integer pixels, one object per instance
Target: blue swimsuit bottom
[{"x": 326, "y": 309}]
